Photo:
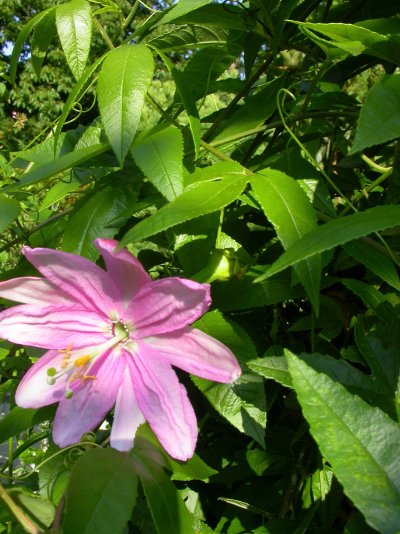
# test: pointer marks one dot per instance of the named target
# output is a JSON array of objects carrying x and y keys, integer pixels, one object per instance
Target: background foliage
[{"x": 260, "y": 154}]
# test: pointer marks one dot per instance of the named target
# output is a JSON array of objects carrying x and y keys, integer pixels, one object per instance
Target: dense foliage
[{"x": 251, "y": 145}]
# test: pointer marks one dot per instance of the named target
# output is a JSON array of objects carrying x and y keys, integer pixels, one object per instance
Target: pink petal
[
  {"x": 90, "y": 402},
  {"x": 33, "y": 390},
  {"x": 197, "y": 353},
  {"x": 164, "y": 403},
  {"x": 80, "y": 278},
  {"x": 52, "y": 327},
  {"x": 167, "y": 305},
  {"x": 124, "y": 269},
  {"x": 32, "y": 290},
  {"x": 127, "y": 415}
]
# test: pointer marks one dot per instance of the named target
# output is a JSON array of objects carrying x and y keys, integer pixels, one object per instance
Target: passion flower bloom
[{"x": 112, "y": 337}]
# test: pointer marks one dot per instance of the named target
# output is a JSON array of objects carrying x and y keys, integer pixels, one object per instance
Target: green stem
[
  {"x": 103, "y": 33},
  {"x": 22, "y": 518}
]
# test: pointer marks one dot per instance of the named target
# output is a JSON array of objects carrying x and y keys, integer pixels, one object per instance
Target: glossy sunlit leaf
[
  {"x": 198, "y": 199},
  {"x": 272, "y": 367},
  {"x": 159, "y": 155},
  {"x": 74, "y": 28},
  {"x": 288, "y": 208},
  {"x": 123, "y": 82},
  {"x": 359, "y": 441},
  {"x": 335, "y": 233},
  {"x": 182, "y": 8},
  {"x": 101, "y": 493}
]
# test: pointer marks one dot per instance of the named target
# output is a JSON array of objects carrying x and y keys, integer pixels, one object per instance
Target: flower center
[{"x": 77, "y": 364}]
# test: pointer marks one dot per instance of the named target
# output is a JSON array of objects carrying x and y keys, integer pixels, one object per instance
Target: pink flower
[{"x": 112, "y": 337}]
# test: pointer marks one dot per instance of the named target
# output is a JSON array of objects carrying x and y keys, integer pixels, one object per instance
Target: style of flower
[{"x": 112, "y": 337}]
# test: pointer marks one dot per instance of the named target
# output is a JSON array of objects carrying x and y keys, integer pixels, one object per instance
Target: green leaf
[
  {"x": 243, "y": 293},
  {"x": 375, "y": 261},
  {"x": 182, "y": 8},
  {"x": 272, "y": 367},
  {"x": 74, "y": 28},
  {"x": 159, "y": 155},
  {"x": 287, "y": 206},
  {"x": 42, "y": 36},
  {"x": 256, "y": 109},
  {"x": 16, "y": 421},
  {"x": 379, "y": 120},
  {"x": 9, "y": 211},
  {"x": 360, "y": 442},
  {"x": 23, "y": 35},
  {"x": 101, "y": 493},
  {"x": 73, "y": 159},
  {"x": 371, "y": 297},
  {"x": 242, "y": 403},
  {"x": 337, "y": 232},
  {"x": 168, "y": 510},
  {"x": 100, "y": 214},
  {"x": 196, "y": 200},
  {"x": 173, "y": 38},
  {"x": 75, "y": 95},
  {"x": 123, "y": 82}
]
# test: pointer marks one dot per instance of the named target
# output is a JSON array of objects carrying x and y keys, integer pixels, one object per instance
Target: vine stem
[{"x": 23, "y": 519}]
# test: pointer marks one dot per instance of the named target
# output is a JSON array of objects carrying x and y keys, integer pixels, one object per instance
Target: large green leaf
[
  {"x": 171, "y": 38},
  {"x": 256, "y": 109},
  {"x": 101, "y": 493},
  {"x": 379, "y": 120},
  {"x": 182, "y": 8},
  {"x": 375, "y": 261},
  {"x": 168, "y": 510},
  {"x": 336, "y": 232},
  {"x": 242, "y": 403},
  {"x": 9, "y": 211},
  {"x": 73, "y": 159},
  {"x": 288, "y": 208},
  {"x": 23, "y": 35},
  {"x": 196, "y": 200},
  {"x": 360, "y": 442},
  {"x": 272, "y": 367},
  {"x": 100, "y": 214},
  {"x": 355, "y": 39},
  {"x": 42, "y": 36},
  {"x": 74, "y": 27},
  {"x": 123, "y": 82},
  {"x": 159, "y": 155}
]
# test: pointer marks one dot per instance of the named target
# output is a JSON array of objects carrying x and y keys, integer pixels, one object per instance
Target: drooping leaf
[
  {"x": 287, "y": 206},
  {"x": 9, "y": 211},
  {"x": 42, "y": 36},
  {"x": 379, "y": 120},
  {"x": 101, "y": 493},
  {"x": 272, "y": 367},
  {"x": 74, "y": 28},
  {"x": 182, "y": 8},
  {"x": 23, "y": 35},
  {"x": 198, "y": 199},
  {"x": 122, "y": 85},
  {"x": 360, "y": 442},
  {"x": 375, "y": 261},
  {"x": 100, "y": 214},
  {"x": 73, "y": 159},
  {"x": 159, "y": 155},
  {"x": 168, "y": 510},
  {"x": 335, "y": 233}
]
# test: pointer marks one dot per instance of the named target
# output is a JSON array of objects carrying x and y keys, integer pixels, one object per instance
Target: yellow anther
[
  {"x": 88, "y": 377},
  {"x": 67, "y": 350},
  {"x": 80, "y": 362}
]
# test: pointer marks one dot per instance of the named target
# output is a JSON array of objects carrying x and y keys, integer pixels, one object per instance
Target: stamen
[{"x": 83, "y": 360}]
